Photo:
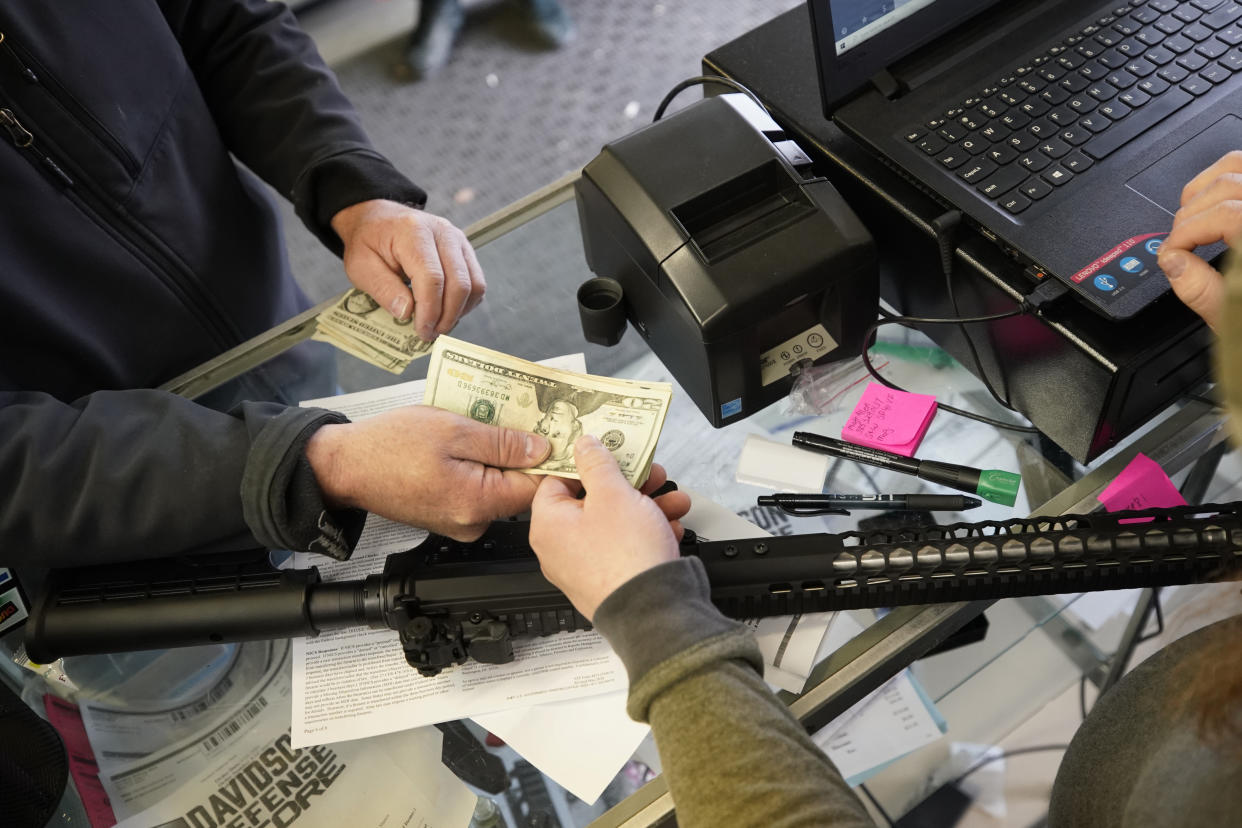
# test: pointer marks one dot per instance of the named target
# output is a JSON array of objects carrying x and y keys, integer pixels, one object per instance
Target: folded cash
[
  {"x": 360, "y": 327},
  {"x": 498, "y": 389}
]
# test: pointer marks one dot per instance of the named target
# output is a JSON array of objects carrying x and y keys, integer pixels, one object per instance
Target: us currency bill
[
  {"x": 359, "y": 326},
  {"x": 495, "y": 388}
]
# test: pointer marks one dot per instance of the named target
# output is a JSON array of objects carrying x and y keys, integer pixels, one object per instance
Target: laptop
[{"x": 1063, "y": 130}]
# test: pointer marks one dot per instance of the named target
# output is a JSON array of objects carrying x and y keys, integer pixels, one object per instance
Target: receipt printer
[{"x": 711, "y": 234}]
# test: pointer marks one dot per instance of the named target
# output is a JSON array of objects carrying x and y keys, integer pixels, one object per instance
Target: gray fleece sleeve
[
  {"x": 281, "y": 500},
  {"x": 732, "y": 753}
]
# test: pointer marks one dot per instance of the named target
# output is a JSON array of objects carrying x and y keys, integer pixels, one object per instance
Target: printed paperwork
[
  {"x": 886, "y": 725},
  {"x": 236, "y": 766},
  {"x": 353, "y": 683},
  {"x": 581, "y": 740}
]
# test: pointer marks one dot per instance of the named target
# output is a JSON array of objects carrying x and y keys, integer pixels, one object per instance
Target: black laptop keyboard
[{"x": 1047, "y": 121}]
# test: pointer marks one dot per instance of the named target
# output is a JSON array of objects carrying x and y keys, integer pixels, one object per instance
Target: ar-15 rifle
[{"x": 450, "y": 601}]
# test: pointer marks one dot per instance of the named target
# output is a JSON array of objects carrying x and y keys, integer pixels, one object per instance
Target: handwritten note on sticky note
[
  {"x": 1141, "y": 485},
  {"x": 888, "y": 419}
]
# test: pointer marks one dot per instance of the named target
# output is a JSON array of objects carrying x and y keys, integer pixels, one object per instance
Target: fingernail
[
  {"x": 400, "y": 306},
  {"x": 536, "y": 447},
  {"x": 1173, "y": 264},
  {"x": 587, "y": 441}
]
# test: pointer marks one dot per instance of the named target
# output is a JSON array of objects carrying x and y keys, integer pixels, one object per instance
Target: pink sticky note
[
  {"x": 890, "y": 420},
  {"x": 1141, "y": 485}
]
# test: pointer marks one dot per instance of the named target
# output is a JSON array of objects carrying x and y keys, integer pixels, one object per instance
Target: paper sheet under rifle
[{"x": 355, "y": 682}]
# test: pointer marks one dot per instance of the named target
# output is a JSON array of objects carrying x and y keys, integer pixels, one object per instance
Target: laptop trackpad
[{"x": 1163, "y": 181}]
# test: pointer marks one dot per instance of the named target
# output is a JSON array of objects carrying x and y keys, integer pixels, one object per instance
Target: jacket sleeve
[
  {"x": 732, "y": 753},
  {"x": 125, "y": 475},
  {"x": 281, "y": 111}
]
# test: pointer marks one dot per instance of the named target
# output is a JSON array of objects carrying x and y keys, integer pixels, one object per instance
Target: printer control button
[{"x": 793, "y": 153}]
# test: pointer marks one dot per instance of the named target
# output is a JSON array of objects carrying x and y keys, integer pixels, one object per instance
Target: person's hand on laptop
[{"x": 1211, "y": 211}]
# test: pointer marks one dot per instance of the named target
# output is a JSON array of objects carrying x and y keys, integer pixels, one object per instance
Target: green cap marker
[
  {"x": 999, "y": 486},
  {"x": 990, "y": 484}
]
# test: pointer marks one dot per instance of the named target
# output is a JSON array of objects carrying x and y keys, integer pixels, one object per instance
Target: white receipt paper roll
[{"x": 782, "y": 467}]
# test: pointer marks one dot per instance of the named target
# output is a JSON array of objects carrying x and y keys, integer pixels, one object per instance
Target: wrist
[
  {"x": 346, "y": 220},
  {"x": 324, "y": 452}
]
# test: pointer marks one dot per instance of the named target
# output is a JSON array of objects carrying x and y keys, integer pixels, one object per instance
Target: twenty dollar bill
[{"x": 498, "y": 389}]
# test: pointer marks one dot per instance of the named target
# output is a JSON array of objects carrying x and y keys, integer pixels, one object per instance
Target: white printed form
[
  {"x": 353, "y": 683},
  {"x": 893, "y": 720}
]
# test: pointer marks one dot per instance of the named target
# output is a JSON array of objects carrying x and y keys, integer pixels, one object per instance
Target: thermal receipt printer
[{"x": 711, "y": 234}]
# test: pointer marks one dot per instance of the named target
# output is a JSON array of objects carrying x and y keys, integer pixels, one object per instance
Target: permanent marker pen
[
  {"x": 990, "y": 484},
  {"x": 820, "y": 504}
]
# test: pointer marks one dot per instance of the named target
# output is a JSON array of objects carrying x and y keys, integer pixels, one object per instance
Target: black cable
[
  {"x": 946, "y": 226},
  {"x": 987, "y": 760},
  {"x": 1155, "y": 598},
  {"x": 703, "y": 79},
  {"x": 1082, "y": 681},
  {"x": 926, "y": 320},
  {"x": 879, "y": 808}
]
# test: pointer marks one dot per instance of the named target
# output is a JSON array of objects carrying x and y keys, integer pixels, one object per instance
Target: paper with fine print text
[
  {"x": 198, "y": 684},
  {"x": 353, "y": 683},
  {"x": 238, "y": 768},
  {"x": 890, "y": 722}
]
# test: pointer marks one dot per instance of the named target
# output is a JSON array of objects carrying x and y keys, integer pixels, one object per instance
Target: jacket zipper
[
  {"x": 24, "y": 141},
  {"x": 66, "y": 101},
  {"x": 163, "y": 265}
]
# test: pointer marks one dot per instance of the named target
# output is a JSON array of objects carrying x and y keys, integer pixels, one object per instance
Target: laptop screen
[
  {"x": 856, "y": 20},
  {"x": 857, "y": 39}
]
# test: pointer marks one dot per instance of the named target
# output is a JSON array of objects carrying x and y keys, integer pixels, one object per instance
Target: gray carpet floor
[{"x": 505, "y": 118}]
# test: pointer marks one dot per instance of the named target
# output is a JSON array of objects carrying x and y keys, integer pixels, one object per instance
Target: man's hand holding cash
[{"x": 497, "y": 389}]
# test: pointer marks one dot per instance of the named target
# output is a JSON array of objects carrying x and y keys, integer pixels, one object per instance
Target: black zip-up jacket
[{"x": 133, "y": 247}]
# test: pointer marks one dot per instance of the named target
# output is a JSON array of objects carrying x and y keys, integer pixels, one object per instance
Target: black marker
[
  {"x": 990, "y": 484},
  {"x": 837, "y": 504}
]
